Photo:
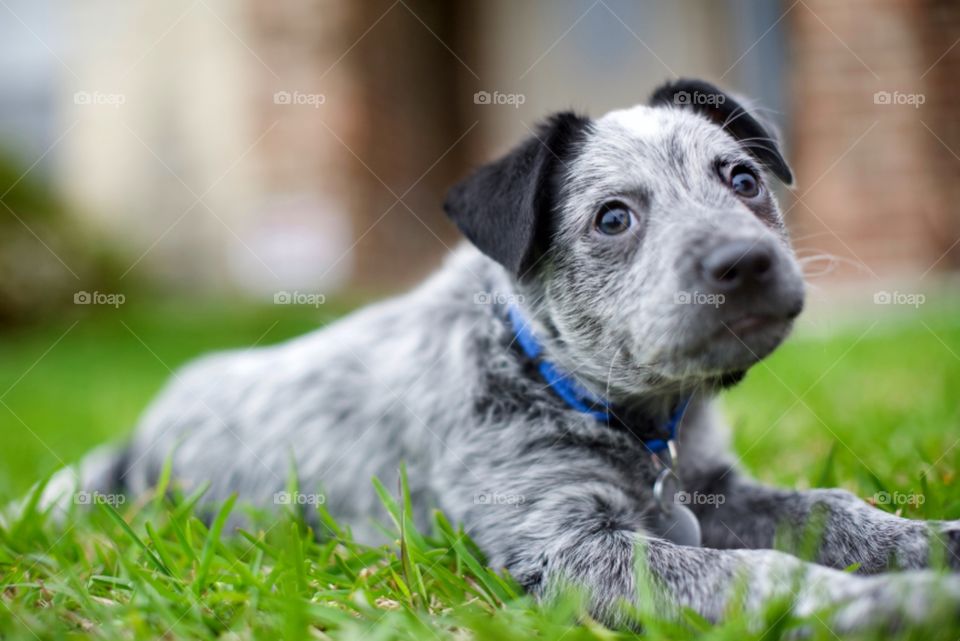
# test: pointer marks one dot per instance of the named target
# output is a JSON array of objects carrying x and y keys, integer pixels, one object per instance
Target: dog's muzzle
[{"x": 752, "y": 279}]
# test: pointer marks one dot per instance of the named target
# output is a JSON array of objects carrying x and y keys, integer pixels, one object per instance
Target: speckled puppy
[{"x": 619, "y": 268}]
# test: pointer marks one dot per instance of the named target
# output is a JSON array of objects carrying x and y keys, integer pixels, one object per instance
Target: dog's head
[{"x": 648, "y": 242}]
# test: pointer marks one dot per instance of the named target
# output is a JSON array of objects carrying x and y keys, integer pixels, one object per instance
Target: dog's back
[{"x": 340, "y": 406}]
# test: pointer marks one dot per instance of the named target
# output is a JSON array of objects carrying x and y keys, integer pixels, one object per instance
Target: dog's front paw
[{"x": 891, "y": 602}]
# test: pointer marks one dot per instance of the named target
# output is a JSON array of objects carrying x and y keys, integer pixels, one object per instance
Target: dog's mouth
[
  {"x": 736, "y": 344},
  {"x": 743, "y": 327},
  {"x": 755, "y": 334}
]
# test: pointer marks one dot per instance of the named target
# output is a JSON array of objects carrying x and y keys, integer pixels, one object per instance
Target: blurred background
[{"x": 189, "y": 175}]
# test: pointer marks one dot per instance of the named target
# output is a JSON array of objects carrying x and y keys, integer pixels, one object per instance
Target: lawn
[{"x": 870, "y": 406}]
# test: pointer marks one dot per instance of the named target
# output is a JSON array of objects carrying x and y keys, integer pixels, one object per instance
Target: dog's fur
[{"x": 432, "y": 379}]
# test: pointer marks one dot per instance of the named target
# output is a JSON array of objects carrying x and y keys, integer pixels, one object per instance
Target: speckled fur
[{"x": 430, "y": 378}]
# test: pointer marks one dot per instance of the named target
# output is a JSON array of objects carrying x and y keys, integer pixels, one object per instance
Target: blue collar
[{"x": 575, "y": 395}]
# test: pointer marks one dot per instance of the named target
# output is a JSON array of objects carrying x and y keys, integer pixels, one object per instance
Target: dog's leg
[
  {"x": 736, "y": 512},
  {"x": 706, "y": 580},
  {"x": 589, "y": 536}
]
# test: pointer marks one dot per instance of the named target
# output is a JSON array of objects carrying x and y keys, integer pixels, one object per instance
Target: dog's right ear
[{"x": 504, "y": 207}]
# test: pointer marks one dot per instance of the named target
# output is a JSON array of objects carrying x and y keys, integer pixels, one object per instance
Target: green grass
[{"x": 873, "y": 408}]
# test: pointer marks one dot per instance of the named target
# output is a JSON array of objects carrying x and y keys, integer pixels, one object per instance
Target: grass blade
[
  {"x": 119, "y": 520},
  {"x": 210, "y": 545}
]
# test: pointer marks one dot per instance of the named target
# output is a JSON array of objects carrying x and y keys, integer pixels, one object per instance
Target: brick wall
[{"x": 878, "y": 183}]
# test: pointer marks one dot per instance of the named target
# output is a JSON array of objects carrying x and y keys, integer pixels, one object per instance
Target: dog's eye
[
  {"x": 614, "y": 218},
  {"x": 744, "y": 182}
]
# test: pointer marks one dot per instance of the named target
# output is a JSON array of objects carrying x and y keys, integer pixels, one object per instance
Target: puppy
[{"x": 550, "y": 387}]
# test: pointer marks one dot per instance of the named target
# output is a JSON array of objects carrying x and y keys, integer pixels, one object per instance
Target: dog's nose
[{"x": 737, "y": 265}]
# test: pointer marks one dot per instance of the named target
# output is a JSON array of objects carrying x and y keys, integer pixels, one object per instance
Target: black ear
[
  {"x": 734, "y": 118},
  {"x": 504, "y": 207}
]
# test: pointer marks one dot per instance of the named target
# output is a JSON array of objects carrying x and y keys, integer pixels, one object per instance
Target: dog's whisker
[{"x": 830, "y": 263}]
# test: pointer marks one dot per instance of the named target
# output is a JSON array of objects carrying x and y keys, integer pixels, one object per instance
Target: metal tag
[
  {"x": 665, "y": 489},
  {"x": 673, "y": 521},
  {"x": 679, "y": 525}
]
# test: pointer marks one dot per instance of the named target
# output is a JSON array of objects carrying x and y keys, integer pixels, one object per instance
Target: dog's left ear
[
  {"x": 504, "y": 207},
  {"x": 724, "y": 111}
]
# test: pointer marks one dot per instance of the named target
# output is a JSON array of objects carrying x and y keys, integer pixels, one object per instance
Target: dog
[{"x": 550, "y": 386}]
